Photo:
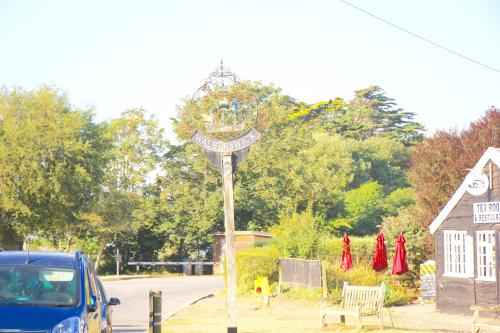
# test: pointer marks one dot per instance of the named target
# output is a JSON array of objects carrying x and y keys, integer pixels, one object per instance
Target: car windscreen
[{"x": 30, "y": 285}]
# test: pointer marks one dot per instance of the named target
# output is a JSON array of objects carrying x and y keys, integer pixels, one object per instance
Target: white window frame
[
  {"x": 458, "y": 254},
  {"x": 485, "y": 255}
]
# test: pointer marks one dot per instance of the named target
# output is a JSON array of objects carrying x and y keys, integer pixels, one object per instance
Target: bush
[
  {"x": 253, "y": 263},
  {"x": 396, "y": 293},
  {"x": 297, "y": 235},
  {"x": 419, "y": 243},
  {"x": 330, "y": 249},
  {"x": 296, "y": 292},
  {"x": 360, "y": 274}
]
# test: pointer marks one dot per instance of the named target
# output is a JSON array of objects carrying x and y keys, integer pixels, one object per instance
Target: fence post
[
  {"x": 154, "y": 311},
  {"x": 280, "y": 276},
  {"x": 323, "y": 280},
  {"x": 150, "y": 326}
]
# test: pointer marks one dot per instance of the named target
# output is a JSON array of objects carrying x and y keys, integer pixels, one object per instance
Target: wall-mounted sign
[
  {"x": 486, "y": 212},
  {"x": 477, "y": 184}
]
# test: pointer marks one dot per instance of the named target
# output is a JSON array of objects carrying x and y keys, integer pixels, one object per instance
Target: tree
[
  {"x": 383, "y": 160},
  {"x": 436, "y": 171},
  {"x": 363, "y": 208},
  {"x": 51, "y": 158},
  {"x": 137, "y": 145},
  {"x": 303, "y": 162},
  {"x": 370, "y": 113},
  {"x": 190, "y": 201},
  {"x": 442, "y": 161}
]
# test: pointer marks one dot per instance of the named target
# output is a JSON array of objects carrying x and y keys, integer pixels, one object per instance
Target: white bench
[{"x": 356, "y": 301}]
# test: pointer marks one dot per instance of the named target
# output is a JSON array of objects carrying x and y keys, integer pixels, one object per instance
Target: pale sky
[{"x": 116, "y": 55}]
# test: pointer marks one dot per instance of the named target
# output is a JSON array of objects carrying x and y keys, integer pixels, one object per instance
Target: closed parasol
[
  {"x": 399, "y": 263},
  {"x": 380, "y": 257},
  {"x": 346, "y": 263}
]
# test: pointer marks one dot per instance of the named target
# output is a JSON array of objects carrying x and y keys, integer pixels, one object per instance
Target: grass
[{"x": 283, "y": 315}]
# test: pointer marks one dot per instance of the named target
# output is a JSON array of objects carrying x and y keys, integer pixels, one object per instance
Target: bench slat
[{"x": 357, "y": 301}]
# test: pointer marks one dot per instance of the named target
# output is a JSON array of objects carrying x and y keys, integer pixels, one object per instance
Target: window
[
  {"x": 91, "y": 288},
  {"x": 486, "y": 255},
  {"x": 31, "y": 285},
  {"x": 458, "y": 254}
]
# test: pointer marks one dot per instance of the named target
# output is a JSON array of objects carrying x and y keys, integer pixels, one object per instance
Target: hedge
[
  {"x": 330, "y": 248},
  {"x": 255, "y": 262}
]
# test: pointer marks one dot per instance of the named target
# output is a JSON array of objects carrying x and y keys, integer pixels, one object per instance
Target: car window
[
  {"x": 102, "y": 293},
  {"x": 91, "y": 288},
  {"x": 38, "y": 286}
]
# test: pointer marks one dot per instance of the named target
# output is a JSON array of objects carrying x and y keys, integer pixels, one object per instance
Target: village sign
[{"x": 223, "y": 112}]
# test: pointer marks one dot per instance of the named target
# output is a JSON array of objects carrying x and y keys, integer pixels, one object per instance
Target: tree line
[{"x": 69, "y": 181}]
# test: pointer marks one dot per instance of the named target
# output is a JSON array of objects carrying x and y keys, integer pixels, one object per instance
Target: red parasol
[
  {"x": 399, "y": 264},
  {"x": 380, "y": 258},
  {"x": 346, "y": 263}
]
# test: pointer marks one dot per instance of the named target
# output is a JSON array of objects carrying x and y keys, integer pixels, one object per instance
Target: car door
[
  {"x": 106, "y": 310},
  {"x": 93, "y": 304}
]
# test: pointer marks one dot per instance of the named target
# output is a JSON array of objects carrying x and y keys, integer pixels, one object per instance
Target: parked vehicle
[
  {"x": 106, "y": 309},
  {"x": 47, "y": 292}
]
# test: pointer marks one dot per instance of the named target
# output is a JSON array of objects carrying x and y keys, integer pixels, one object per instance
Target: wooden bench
[
  {"x": 356, "y": 301},
  {"x": 492, "y": 323}
]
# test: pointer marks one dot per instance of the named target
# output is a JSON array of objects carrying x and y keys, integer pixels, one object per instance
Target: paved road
[{"x": 178, "y": 292}]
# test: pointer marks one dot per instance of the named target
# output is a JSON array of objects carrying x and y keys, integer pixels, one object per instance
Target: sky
[{"x": 117, "y": 55}]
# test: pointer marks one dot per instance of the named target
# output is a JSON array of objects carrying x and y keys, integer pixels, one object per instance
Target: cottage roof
[{"x": 492, "y": 154}]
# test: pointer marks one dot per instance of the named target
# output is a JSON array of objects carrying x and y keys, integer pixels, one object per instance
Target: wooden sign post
[
  {"x": 226, "y": 138},
  {"x": 227, "y": 164}
]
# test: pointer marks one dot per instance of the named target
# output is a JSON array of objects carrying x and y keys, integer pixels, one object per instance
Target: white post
[
  {"x": 117, "y": 262},
  {"x": 230, "y": 253}
]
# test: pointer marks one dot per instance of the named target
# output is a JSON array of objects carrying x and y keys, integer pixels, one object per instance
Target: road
[{"x": 132, "y": 314}]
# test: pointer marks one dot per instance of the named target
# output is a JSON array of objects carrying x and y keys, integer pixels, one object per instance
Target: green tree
[
  {"x": 137, "y": 146},
  {"x": 370, "y": 113},
  {"x": 383, "y": 160},
  {"x": 51, "y": 158},
  {"x": 190, "y": 201},
  {"x": 402, "y": 197},
  {"x": 297, "y": 235},
  {"x": 363, "y": 208}
]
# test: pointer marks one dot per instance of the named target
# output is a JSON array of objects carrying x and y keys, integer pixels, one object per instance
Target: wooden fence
[{"x": 301, "y": 272}]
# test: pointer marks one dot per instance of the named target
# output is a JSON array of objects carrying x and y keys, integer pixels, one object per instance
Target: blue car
[{"x": 43, "y": 292}]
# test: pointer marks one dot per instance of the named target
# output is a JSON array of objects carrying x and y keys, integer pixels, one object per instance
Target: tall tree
[
  {"x": 51, "y": 158},
  {"x": 137, "y": 147},
  {"x": 370, "y": 113},
  {"x": 442, "y": 161}
]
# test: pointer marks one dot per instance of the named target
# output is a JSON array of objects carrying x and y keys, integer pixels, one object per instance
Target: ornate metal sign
[
  {"x": 223, "y": 112},
  {"x": 218, "y": 146}
]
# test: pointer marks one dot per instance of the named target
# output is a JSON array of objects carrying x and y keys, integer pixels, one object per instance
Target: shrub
[
  {"x": 360, "y": 274},
  {"x": 296, "y": 292},
  {"x": 419, "y": 244},
  {"x": 330, "y": 249},
  {"x": 396, "y": 293},
  {"x": 253, "y": 263},
  {"x": 297, "y": 235}
]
